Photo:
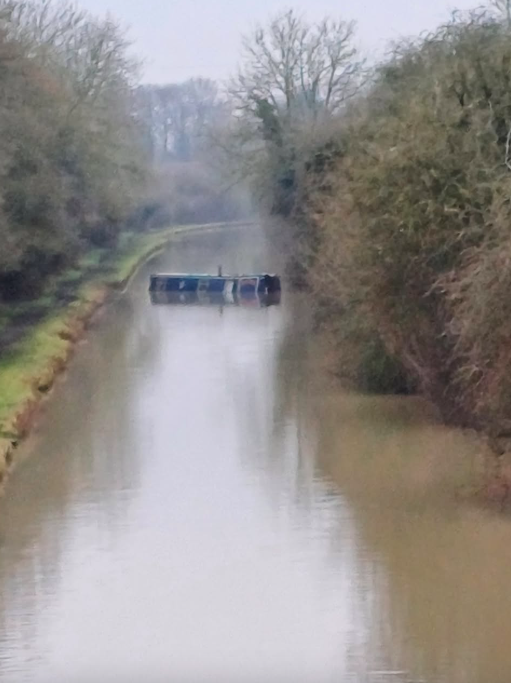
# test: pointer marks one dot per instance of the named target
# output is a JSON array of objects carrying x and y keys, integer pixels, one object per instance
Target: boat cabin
[{"x": 227, "y": 285}]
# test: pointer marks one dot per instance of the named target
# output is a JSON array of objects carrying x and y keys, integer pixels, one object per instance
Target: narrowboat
[
  {"x": 260, "y": 290},
  {"x": 226, "y": 285}
]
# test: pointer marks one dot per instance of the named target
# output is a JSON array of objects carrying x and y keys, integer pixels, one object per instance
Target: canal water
[{"x": 202, "y": 503}]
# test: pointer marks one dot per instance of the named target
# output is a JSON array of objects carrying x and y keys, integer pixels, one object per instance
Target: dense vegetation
[
  {"x": 71, "y": 162},
  {"x": 421, "y": 190},
  {"x": 402, "y": 195}
]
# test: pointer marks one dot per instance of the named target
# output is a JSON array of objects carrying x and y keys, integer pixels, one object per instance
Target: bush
[
  {"x": 71, "y": 161},
  {"x": 408, "y": 235}
]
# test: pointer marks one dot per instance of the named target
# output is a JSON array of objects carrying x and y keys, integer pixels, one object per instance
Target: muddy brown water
[{"x": 200, "y": 503}]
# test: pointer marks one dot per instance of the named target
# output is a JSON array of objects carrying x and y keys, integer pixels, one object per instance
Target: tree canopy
[{"x": 70, "y": 147}]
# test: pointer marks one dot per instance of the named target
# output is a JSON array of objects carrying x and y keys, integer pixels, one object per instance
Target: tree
[
  {"x": 301, "y": 70},
  {"x": 504, "y": 7},
  {"x": 412, "y": 246},
  {"x": 295, "y": 78},
  {"x": 177, "y": 116},
  {"x": 70, "y": 145}
]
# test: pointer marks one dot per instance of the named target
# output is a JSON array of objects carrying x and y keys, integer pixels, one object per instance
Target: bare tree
[
  {"x": 178, "y": 116},
  {"x": 503, "y": 6},
  {"x": 90, "y": 56},
  {"x": 44, "y": 27},
  {"x": 299, "y": 69},
  {"x": 294, "y": 81}
]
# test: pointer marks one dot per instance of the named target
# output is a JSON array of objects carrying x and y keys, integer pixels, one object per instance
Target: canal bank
[{"x": 30, "y": 366}]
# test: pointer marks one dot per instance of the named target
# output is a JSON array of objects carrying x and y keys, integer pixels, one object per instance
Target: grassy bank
[{"x": 32, "y": 359}]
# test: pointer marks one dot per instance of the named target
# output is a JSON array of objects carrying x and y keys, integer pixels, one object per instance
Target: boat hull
[{"x": 253, "y": 300}]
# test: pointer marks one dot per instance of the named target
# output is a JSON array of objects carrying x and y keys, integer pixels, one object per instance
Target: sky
[{"x": 181, "y": 39}]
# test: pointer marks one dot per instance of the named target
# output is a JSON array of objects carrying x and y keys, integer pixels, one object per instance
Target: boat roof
[{"x": 209, "y": 275}]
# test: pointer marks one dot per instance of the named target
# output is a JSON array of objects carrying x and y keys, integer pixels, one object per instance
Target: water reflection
[
  {"x": 201, "y": 503},
  {"x": 213, "y": 299}
]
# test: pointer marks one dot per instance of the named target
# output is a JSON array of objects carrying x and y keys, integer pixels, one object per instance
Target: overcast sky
[{"x": 179, "y": 39}]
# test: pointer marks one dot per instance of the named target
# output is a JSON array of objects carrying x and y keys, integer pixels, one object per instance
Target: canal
[{"x": 201, "y": 502}]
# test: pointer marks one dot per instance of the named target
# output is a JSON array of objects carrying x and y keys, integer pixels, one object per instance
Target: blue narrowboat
[
  {"x": 198, "y": 288},
  {"x": 240, "y": 285}
]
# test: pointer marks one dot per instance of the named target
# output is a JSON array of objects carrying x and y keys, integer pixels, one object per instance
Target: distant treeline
[
  {"x": 180, "y": 122},
  {"x": 398, "y": 180}
]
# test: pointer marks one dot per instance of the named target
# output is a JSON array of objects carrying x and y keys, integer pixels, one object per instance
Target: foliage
[
  {"x": 192, "y": 192},
  {"x": 409, "y": 234},
  {"x": 70, "y": 148}
]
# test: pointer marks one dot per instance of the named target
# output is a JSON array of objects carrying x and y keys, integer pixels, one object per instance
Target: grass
[
  {"x": 136, "y": 251},
  {"x": 92, "y": 259},
  {"x": 28, "y": 368},
  {"x": 30, "y": 365}
]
